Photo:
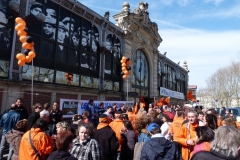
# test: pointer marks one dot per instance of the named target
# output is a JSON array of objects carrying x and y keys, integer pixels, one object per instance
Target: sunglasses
[{"x": 39, "y": 107}]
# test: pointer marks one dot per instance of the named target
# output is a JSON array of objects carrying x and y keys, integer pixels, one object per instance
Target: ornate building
[{"x": 74, "y": 40}]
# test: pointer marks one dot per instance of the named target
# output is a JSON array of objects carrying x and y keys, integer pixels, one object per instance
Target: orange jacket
[
  {"x": 116, "y": 126},
  {"x": 219, "y": 122},
  {"x": 132, "y": 118},
  {"x": 187, "y": 131},
  {"x": 42, "y": 143},
  {"x": 175, "y": 126}
]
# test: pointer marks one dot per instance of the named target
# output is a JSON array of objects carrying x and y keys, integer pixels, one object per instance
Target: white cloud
[
  {"x": 215, "y": 2},
  {"x": 204, "y": 51}
]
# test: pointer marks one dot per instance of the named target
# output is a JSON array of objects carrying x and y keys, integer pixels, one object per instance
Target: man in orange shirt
[
  {"x": 187, "y": 134},
  {"x": 116, "y": 126}
]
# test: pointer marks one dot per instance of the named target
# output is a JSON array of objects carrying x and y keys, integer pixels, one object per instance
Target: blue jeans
[{"x": 3, "y": 146}]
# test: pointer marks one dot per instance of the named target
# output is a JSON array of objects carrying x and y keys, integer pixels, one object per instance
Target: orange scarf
[{"x": 101, "y": 125}]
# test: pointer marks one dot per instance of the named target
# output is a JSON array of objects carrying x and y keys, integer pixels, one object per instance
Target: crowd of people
[{"x": 126, "y": 133}]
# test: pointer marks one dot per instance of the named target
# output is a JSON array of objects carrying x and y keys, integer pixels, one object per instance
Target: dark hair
[
  {"x": 46, "y": 106},
  {"x": 40, "y": 123},
  {"x": 20, "y": 99},
  {"x": 109, "y": 107},
  {"x": 101, "y": 104},
  {"x": 155, "y": 131},
  {"x": 35, "y": 106},
  {"x": 21, "y": 125},
  {"x": 90, "y": 101},
  {"x": 211, "y": 120},
  {"x": 13, "y": 106},
  {"x": 213, "y": 111},
  {"x": 75, "y": 34},
  {"x": 128, "y": 125},
  {"x": 167, "y": 118},
  {"x": 200, "y": 113},
  {"x": 152, "y": 114},
  {"x": 63, "y": 139},
  {"x": 141, "y": 123},
  {"x": 129, "y": 109},
  {"x": 125, "y": 116},
  {"x": 205, "y": 134}
]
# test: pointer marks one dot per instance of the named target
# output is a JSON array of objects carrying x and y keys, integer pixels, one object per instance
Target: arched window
[{"x": 140, "y": 73}]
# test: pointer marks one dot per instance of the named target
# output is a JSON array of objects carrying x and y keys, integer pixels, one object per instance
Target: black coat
[
  {"x": 108, "y": 142},
  {"x": 63, "y": 155},
  {"x": 32, "y": 119},
  {"x": 21, "y": 110},
  {"x": 158, "y": 148},
  {"x": 212, "y": 155},
  {"x": 127, "y": 149}
]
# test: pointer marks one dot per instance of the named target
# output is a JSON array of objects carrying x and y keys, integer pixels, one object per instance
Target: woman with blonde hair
[{"x": 61, "y": 126}]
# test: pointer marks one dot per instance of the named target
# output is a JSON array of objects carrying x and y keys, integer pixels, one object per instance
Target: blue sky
[{"x": 205, "y": 33}]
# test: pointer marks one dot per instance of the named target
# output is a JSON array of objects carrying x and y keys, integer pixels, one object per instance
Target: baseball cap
[
  {"x": 77, "y": 117},
  {"x": 152, "y": 126}
]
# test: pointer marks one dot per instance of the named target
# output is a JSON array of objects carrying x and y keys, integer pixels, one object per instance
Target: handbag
[
  {"x": 138, "y": 149},
  {"x": 35, "y": 150}
]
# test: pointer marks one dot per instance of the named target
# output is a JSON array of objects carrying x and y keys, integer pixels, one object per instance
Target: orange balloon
[
  {"x": 123, "y": 64},
  {"x": 22, "y": 39},
  {"x": 19, "y": 20},
  {"x": 28, "y": 59},
  {"x": 128, "y": 63},
  {"x": 126, "y": 72},
  {"x": 124, "y": 69},
  {"x": 124, "y": 76},
  {"x": 26, "y": 45},
  {"x": 21, "y": 33},
  {"x": 121, "y": 61},
  {"x": 20, "y": 56},
  {"x": 21, "y": 63},
  {"x": 31, "y": 54},
  {"x": 124, "y": 59},
  {"x": 19, "y": 27}
]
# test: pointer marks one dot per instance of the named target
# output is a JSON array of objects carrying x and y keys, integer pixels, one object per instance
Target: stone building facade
[{"x": 74, "y": 40}]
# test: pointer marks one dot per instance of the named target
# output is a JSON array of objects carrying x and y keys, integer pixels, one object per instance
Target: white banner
[
  {"x": 74, "y": 106},
  {"x": 170, "y": 93}
]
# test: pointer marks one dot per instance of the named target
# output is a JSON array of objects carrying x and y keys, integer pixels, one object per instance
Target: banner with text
[
  {"x": 170, "y": 93},
  {"x": 73, "y": 106}
]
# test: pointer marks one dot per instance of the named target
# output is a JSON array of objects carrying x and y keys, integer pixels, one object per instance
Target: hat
[
  {"x": 50, "y": 21},
  {"x": 238, "y": 118},
  {"x": 77, "y": 117},
  {"x": 36, "y": 5},
  {"x": 62, "y": 26},
  {"x": 68, "y": 20},
  {"x": 152, "y": 126},
  {"x": 103, "y": 118}
]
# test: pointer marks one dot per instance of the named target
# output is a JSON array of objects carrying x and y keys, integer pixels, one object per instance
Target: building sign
[
  {"x": 170, "y": 93},
  {"x": 74, "y": 106}
]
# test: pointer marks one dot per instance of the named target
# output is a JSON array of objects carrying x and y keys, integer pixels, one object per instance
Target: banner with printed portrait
[{"x": 73, "y": 106}]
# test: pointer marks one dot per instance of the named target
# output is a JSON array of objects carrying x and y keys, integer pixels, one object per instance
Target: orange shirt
[
  {"x": 116, "y": 126},
  {"x": 175, "y": 126},
  {"x": 186, "y": 132},
  {"x": 42, "y": 143}
]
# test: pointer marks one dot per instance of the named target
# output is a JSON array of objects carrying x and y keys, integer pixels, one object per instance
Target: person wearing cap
[
  {"x": 49, "y": 28},
  {"x": 106, "y": 138},
  {"x": 116, "y": 126},
  {"x": 33, "y": 24},
  {"x": 14, "y": 137},
  {"x": 158, "y": 147},
  {"x": 61, "y": 50},
  {"x": 77, "y": 119},
  {"x": 69, "y": 23}
]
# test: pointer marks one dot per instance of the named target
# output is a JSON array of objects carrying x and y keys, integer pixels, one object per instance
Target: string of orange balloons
[{"x": 27, "y": 43}]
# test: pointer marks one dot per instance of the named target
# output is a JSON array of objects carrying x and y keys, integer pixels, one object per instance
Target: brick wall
[
  {"x": 66, "y": 96},
  {"x": 39, "y": 97},
  {"x": 88, "y": 97}
]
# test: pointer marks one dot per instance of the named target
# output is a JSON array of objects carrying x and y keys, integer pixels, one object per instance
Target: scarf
[{"x": 101, "y": 125}]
